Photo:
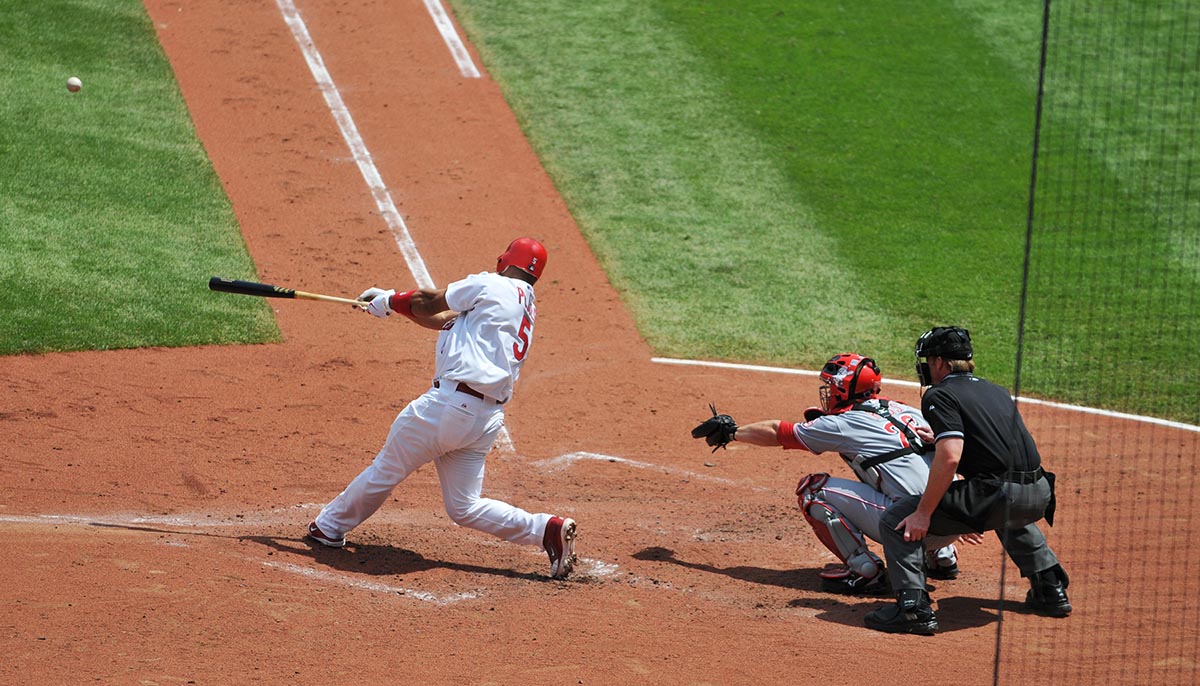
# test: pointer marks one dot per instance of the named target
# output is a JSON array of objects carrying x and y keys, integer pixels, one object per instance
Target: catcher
[{"x": 882, "y": 440}]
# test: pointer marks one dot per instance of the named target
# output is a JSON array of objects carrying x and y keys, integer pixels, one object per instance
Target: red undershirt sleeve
[{"x": 787, "y": 437}]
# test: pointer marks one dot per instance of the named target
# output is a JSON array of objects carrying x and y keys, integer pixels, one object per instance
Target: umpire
[{"x": 979, "y": 434}]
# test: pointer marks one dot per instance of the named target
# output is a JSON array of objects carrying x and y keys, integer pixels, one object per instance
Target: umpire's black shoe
[
  {"x": 912, "y": 614},
  {"x": 1048, "y": 593}
]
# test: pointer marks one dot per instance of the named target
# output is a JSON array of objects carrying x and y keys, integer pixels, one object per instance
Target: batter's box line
[
  {"x": 586, "y": 568},
  {"x": 569, "y": 459},
  {"x": 594, "y": 568},
  {"x": 329, "y": 577}
]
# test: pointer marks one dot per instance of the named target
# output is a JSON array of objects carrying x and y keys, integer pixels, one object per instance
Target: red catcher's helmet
[
  {"x": 525, "y": 254},
  {"x": 848, "y": 378}
]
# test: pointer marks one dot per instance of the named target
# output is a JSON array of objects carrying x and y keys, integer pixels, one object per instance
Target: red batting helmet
[
  {"x": 848, "y": 378},
  {"x": 525, "y": 254}
]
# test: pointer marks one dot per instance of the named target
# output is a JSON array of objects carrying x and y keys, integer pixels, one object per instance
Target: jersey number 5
[{"x": 522, "y": 344}]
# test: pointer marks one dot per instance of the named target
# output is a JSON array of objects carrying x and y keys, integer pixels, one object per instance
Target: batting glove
[{"x": 380, "y": 301}]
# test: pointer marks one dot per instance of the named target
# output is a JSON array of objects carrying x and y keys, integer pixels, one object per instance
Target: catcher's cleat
[
  {"x": 559, "y": 542},
  {"x": 1048, "y": 593},
  {"x": 845, "y": 582},
  {"x": 941, "y": 572},
  {"x": 315, "y": 533},
  {"x": 912, "y": 614}
]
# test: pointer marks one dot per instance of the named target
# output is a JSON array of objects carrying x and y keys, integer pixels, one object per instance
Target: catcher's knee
[
  {"x": 809, "y": 489},
  {"x": 840, "y": 536}
]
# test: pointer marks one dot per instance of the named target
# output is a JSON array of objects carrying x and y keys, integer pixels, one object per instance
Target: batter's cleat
[
  {"x": 559, "y": 542},
  {"x": 845, "y": 582},
  {"x": 1048, "y": 593},
  {"x": 912, "y": 614},
  {"x": 315, "y": 533}
]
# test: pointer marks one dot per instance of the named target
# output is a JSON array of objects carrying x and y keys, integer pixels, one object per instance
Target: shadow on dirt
[
  {"x": 377, "y": 560},
  {"x": 954, "y": 613},
  {"x": 798, "y": 579}
]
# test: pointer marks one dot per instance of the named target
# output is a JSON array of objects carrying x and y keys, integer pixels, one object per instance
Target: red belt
[{"x": 463, "y": 388}]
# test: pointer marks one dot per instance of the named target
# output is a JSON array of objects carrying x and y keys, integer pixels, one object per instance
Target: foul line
[
  {"x": 461, "y": 57},
  {"x": 362, "y": 156},
  {"x": 913, "y": 384},
  {"x": 333, "y": 98}
]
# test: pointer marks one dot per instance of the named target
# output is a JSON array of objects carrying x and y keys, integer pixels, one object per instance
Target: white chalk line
[
  {"x": 914, "y": 384},
  {"x": 569, "y": 459},
  {"x": 591, "y": 567},
  {"x": 466, "y": 66},
  {"x": 333, "y": 98},
  {"x": 588, "y": 566},
  {"x": 329, "y": 577},
  {"x": 362, "y": 156}
]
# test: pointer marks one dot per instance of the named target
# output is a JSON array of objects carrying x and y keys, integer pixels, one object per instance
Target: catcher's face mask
[{"x": 826, "y": 396}]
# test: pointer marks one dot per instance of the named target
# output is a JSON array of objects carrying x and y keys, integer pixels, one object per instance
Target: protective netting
[{"x": 1111, "y": 320}]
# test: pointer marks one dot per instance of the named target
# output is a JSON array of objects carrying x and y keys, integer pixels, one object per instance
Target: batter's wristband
[{"x": 402, "y": 303}]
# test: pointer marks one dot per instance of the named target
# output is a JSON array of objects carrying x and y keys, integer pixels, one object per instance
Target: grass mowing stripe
[
  {"x": 111, "y": 218},
  {"x": 906, "y": 135},
  {"x": 1115, "y": 239},
  {"x": 684, "y": 206},
  {"x": 883, "y": 151},
  {"x": 800, "y": 161}
]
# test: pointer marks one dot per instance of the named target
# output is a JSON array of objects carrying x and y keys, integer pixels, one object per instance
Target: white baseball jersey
[
  {"x": 858, "y": 435},
  {"x": 486, "y": 344},
  {"x": 483, "y": 347}
]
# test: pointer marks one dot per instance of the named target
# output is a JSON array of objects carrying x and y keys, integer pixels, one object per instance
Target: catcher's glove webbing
[{"x": 718, "y": 430}]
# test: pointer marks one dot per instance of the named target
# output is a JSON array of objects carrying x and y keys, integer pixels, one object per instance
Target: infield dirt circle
[{"x": 155, "y": 507}]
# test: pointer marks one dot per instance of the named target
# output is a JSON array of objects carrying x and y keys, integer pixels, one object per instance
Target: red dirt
[{"x": 154, "y": 500}]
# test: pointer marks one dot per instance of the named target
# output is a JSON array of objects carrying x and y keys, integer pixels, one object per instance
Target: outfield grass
[
  {"x": 774, "y": 182},
  {"x": 111, "y": 218}
]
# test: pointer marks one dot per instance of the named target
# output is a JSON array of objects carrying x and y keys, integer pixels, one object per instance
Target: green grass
[
  {"x": 111, "y": 218},
  {"x": 764, "y": 182},
  {"x": 774, "y": 182}
]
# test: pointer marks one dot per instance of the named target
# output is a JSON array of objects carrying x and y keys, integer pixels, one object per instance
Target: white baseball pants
[{"x": 455, "y": 431}]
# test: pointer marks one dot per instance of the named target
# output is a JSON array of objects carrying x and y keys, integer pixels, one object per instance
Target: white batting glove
[{"x": 380, "y": 301}]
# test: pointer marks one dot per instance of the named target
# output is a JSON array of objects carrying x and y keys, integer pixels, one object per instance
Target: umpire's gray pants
[{"x": 1022, "y": 539}]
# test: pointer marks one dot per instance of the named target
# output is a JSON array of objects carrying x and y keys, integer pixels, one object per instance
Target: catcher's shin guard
[{"x": 841, "y": 537}]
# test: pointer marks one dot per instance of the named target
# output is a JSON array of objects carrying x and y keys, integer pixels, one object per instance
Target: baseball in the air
[{"x": 74, "y": 84}]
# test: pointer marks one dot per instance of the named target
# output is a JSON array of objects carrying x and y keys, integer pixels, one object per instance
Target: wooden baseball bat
[{"x": 264, "y": 290}]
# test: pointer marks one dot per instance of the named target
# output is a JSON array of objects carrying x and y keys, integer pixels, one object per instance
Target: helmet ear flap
[
  {"x": 526, "y": 254},
  {"x": 864, "y": 385},
  {"x": 848, "y": 377}
]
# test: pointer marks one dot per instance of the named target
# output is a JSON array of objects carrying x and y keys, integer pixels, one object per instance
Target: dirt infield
[{"x": 154, "y": 500}]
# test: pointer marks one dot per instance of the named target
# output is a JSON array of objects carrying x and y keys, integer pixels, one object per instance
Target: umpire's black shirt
[{"x": 984, "y": 415}]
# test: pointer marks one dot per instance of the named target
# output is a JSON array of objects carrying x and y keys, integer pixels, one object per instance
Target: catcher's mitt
[{"x": 718, "y": 430}]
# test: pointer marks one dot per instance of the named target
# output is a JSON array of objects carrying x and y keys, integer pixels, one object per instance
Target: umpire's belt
[
  {"x": 1020, "y": 477},
  {"x": 463, "y": 388}
]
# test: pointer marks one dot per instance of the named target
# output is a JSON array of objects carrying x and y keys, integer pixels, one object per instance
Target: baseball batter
[
  {"x": 881, "y": 440},
  {"x": 486, "y": 324}
]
